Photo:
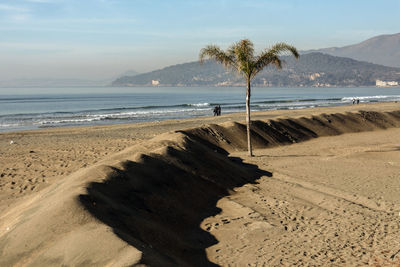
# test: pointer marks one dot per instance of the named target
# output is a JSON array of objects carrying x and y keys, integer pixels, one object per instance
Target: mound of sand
[
  {"x": 232, "y": 135},
  {"x": 146, "y": 204}
]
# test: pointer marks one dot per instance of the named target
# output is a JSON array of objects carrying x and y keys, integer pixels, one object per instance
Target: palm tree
[{"x": 240, "y": 56}]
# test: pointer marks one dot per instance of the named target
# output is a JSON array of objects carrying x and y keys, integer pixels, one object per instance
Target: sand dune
[
  {"x": 232, "y": 136},
  {"x": 187, "y": 198}
]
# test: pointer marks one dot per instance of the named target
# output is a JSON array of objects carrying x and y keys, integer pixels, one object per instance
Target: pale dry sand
[
  {"x": 143, "y": 193},
  {"x": 331, "y": 201}
]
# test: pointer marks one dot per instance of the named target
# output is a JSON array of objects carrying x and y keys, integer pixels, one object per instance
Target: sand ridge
[{"x": 169, "y": 190}]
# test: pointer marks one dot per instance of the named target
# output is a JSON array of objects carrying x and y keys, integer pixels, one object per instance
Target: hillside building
[{"x": 380, "y": 83}]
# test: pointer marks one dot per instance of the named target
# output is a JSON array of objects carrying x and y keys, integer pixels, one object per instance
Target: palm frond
[
  {"x": 263, "y": 60},
  {"x": 280, "y": 48},
  {"x": 243, "y": 51},
  {"x": 266, "y": 58},
  {"x": 216, "y": 53},
  {"x": 271, "y": 56}
]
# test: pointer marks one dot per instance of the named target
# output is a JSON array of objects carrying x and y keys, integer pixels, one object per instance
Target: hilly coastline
[
  {"x": 311, "y": 70},
  {"x": 382, "y": 49}
]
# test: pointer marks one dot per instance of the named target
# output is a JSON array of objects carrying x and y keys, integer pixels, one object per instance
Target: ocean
[{"x": 33, "y": 108}]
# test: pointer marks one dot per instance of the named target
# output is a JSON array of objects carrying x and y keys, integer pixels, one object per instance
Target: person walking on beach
[
  {"x": 215, "y": 111},
  {"x": 358, "y": 101}
]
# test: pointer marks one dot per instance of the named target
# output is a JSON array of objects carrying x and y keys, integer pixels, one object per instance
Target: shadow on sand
[{"x": 157, "y": 203}]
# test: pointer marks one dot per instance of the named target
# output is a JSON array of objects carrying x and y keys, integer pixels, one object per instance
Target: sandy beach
[{"x": 322, "y": 190}]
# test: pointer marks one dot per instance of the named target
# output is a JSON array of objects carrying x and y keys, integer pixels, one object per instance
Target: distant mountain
[
  {"x": 383, "y": 50},
  {"x": 313, "y": 69}
]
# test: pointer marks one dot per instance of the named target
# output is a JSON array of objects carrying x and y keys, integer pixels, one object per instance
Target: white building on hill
[{"x": 380, "y": 83}]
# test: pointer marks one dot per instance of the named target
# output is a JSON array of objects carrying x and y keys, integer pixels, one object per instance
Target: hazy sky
[{"x": 99, "y": 39}]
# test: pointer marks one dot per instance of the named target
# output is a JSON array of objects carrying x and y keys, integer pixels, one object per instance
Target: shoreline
[
  {"x": 127, "y": 108},
  {"x": 231, "y": 116}
]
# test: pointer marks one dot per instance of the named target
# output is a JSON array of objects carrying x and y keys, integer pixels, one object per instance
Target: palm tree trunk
[{"x": 248, "y": 122}]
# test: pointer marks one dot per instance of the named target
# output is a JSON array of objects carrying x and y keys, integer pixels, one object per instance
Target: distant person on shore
[
  {"x": 354, "y": 100},
  {"x": 358, "y": 101},
  {"x": 217, "y": 110}
]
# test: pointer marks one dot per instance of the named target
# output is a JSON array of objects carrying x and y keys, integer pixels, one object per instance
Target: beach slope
[{"x": 192, "y": 197}]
